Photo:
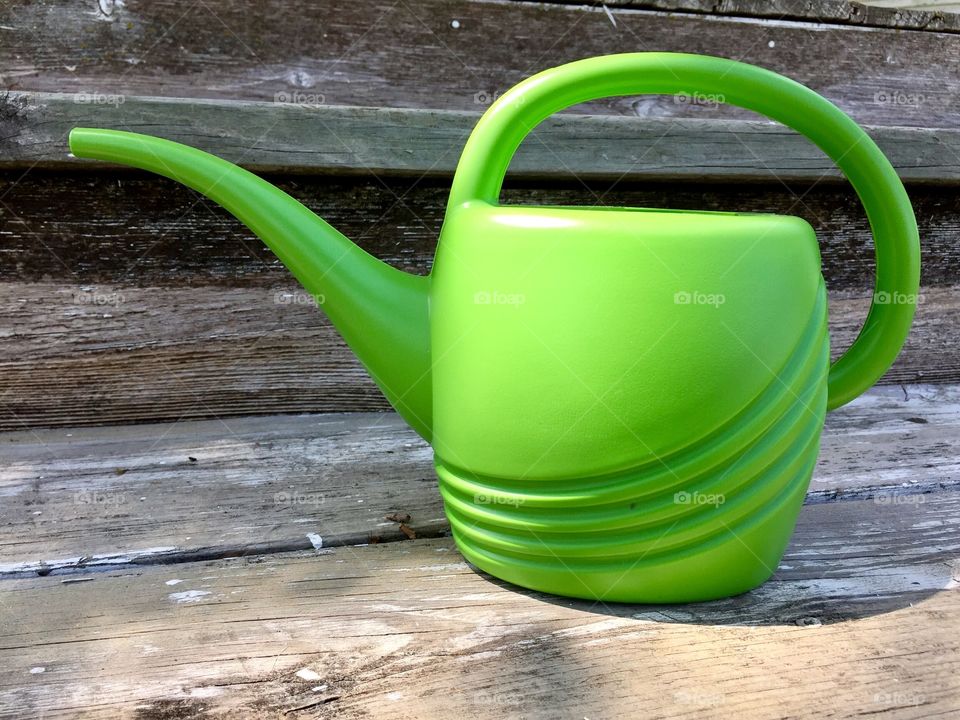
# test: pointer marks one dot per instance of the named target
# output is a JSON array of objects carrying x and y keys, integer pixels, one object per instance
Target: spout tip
[{"x": 80, "y": 139}]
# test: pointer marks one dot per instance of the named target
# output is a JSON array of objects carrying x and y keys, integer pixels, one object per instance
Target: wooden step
[
  {"x": 79, "y": 499},
  {"x": 859, "y": 619}
]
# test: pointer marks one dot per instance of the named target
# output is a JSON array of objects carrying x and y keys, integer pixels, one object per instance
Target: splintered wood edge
[{"x": 364, "y": 141}]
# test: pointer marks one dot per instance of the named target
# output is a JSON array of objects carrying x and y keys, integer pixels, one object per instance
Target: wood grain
[
  {"x": 85, "y": 498},
  {"x": 896, "y": 14},
  {"x": 447, "y": 54},
  {"x": 101, "y": 355},
  {"x": 858, "y": 620},
  {"x": 131, "y": 229},
  {"x": 292, "y": 138},
  {"x": 79, "y": 499}
]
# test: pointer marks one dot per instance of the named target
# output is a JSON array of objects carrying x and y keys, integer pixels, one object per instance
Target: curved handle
[{"x": 503, "y": 127}]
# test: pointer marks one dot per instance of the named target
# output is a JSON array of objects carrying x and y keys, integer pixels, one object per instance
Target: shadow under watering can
[{"x": 624, "y": 404}]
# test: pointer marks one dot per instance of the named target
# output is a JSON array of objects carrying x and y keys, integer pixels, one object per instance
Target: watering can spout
[{"x": 380, "y": 311}]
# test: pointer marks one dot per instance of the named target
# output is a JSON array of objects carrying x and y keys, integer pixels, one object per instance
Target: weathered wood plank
[
  {"x": 302, "y": 138},
  {"x": 100, "y": 355},
  {"x": 131, "y": 229},
  {"x": 896, "y": 14},
  {"x": 82, "y": 498},
  {"x": 893, "y": 439},
  {"x": 446, "y": 53},
  {"x": 90, "y": 497},
  {"x": 859, "y": 619}
]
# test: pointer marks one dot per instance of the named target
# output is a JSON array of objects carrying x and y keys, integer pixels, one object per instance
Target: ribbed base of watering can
[{"x": 710, "y": 520}]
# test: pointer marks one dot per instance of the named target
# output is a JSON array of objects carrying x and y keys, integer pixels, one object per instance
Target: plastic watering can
[{"x": 624, "y": 404}]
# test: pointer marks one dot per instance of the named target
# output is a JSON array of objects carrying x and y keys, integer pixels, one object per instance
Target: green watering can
[{"x": 625, "y": 404}]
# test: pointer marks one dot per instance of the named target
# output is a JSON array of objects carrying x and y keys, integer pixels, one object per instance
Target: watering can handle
[{"x": 505, "y": 124}]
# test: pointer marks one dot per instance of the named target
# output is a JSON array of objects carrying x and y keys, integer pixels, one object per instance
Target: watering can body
[
  {"x": 625, "y": 404},
  {"x": 673, "y": 469}
]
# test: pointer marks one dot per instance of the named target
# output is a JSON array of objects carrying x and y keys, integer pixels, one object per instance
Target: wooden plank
[
  {"x": 83, "y": 498},
  {"x": 448, "y": 54},
  {"x": 893, "y": 439},
  {"x": 105, "y": 354},
  {"x": 876, "y": 13},
  {"x": 922, "y": 5},
  {"x": 132, "y": 229},
  {"x": 302, "y": 138},
  {"x": 86, "y": 498},
  {"x": 858, "y": 620}
]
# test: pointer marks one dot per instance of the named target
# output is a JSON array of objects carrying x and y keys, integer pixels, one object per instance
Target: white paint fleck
[
  {"x": 315, "y": 540},
  {"x": 319, "y": 688},
  {"x": 301, "y": 79},
  {"x": 394, "y": 695},
  {"x": 37, "y": 670},
  {"x": 455, "y": 24},
  {"x": 188, "y": 596},
  {"x": 771, "y": 44},
  {"x": 308, "y": 674},
  {"x": 175, "y": 581}
]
